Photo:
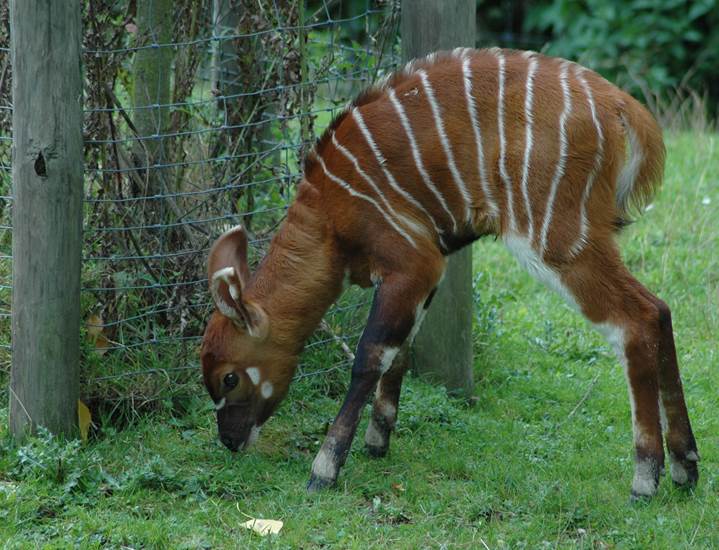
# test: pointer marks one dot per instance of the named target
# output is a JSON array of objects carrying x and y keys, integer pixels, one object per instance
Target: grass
[{"x": 542, "y": 459}]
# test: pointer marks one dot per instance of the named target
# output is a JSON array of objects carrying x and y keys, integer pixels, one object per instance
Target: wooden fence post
[
  {"x": 47, "y": 172},
  {"x": 443, "y": 347}
]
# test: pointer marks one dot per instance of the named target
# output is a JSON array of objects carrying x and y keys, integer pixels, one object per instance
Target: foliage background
[{"x": 662, "y": 51}]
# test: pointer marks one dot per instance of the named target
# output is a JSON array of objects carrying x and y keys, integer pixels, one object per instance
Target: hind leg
[
  {"x": 637, "y": 325},
  {"x": 677, "y": 428}
]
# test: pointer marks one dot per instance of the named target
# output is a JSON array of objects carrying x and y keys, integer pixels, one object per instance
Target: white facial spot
[
  {"x": 388, "y": 355},
  {"x": 266, "y": 389},
  {"x": 220, "y": 404},
  {"x": 324, "y": 466},
  {"x": 254, "y": 374}
]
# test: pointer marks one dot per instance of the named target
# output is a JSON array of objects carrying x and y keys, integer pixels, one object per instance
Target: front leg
[
  {"x": 391, "y": 320},
  {"x": 385, "y": 405}
]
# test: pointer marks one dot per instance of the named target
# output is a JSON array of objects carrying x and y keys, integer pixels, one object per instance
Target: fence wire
[{"x": 197, "y": 118}]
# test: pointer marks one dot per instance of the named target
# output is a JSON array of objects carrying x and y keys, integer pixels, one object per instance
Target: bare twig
[
  {"x": 584, "y": 397},
  {"x": 332, "y": 334}
]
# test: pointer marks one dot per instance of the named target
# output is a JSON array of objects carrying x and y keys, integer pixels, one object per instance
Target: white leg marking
[
  {"x": 417, "y": 156},
  {"x": 615, "y": 336},
  {"x": 663, "y": 416},
  {"x": 254, "y": 374},
  {"x": 644, "y": 483},
  {"x": 418, "y": 318},
  {"x": 324, "y": 465},
  {"x": 387, "y": 174},
  {"x": 386, "y": 409},
  {"x": 266, "y": 389},
  {"x": 644, "y": 470},
  {"x": 388, "y": 355},
  {"x": 502, "y": 142},
  {"x": 678, "y": 472},
  {"x": 528, "y": 145},
  {"x": 561, "y": 163},
  {"x": 401, "y": 219},
  {"x": 347, "y": 187},
  {"x": 598, "y": 159},
  {"x": 254, "y": 434},
  {"x": 439, "y": 124},
  {"x": 521, "y": 248},
  {"x": 373, "y": 437},
  {"x": 472, "y": 108}
]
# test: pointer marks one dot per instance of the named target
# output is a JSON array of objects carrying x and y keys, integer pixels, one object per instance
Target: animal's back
[{"x": 469, "y": 142}]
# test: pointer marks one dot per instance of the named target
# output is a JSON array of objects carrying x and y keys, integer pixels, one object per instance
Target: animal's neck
[{"x": 301, "y": 276}]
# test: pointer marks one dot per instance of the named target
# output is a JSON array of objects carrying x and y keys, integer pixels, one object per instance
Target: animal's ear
[{"x": 229, "y": 274}]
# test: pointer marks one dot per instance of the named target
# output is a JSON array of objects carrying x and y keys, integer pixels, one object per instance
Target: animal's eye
[{"x": 231, "y": 380}]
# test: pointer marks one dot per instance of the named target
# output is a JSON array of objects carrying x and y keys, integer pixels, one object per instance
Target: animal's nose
[{"x": 230, "y": 442}]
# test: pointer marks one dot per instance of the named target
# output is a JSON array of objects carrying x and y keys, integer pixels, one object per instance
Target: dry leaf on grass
[
  {"x": 95, "y": 332},
  {"x": 84, "y": 420},
  {"x": 263, "y": 527}
]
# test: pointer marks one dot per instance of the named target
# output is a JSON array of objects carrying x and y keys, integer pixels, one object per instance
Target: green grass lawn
[{"x": 542, "y": 458}]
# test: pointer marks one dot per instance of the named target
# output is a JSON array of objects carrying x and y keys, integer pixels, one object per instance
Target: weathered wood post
[
  {"x": 47, "y": 172},
  {"x": 443, "y": 347}
]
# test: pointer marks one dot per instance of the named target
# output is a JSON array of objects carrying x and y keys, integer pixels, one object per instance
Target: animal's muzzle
[
  {"x": 234, "y": 425},
  {"x": 234, "y": 444}
]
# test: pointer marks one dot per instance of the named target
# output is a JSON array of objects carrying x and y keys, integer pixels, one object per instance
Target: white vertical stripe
[
  {"x": 467, "y": 73},
  {"x": 598, "y": 160},
  {"x": 370, "y": 181},
  {"x": 387, "y": 174},
  {"x": 561, "y": 163},
  {"x": 528, "y": 144},
  {"x": 502, "y": 142},
  {"x": 446, "y": 145},
  {"x": 417, "y": 156},
  {"x": 344, "y": 185},
  {"x": 461, "y": 52}
]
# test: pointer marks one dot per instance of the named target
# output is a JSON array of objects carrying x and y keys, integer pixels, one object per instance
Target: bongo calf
[{"x": 456, "y": 146}]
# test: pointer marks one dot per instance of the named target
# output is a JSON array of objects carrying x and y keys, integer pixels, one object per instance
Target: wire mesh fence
[{"x": 197, "y": 118}]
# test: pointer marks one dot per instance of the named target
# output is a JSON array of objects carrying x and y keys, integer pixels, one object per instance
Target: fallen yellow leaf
[
  {"x": 95, "y": 331},
  {"x": 94, "y": 325},
  {"x": 84, "y": 420},
  {"x": 263, "y": 527}
]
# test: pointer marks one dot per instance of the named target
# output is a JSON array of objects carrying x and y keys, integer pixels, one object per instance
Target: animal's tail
[{"x": 644, "y": 167}]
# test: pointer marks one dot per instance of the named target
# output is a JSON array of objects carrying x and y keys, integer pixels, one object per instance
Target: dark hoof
[
  {"x": 317, "y": 484},
  {"x": 377, "y": 452}
]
